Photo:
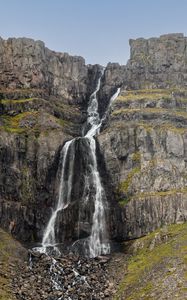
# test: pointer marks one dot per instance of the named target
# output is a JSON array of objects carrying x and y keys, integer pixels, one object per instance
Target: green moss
[
  {"x": 12, "y": 123},
  {"x": 63, "y": 123},
  {"x": 162, "y": 127},
  {"x": 148, "y": 127},
  {"x": 136, "y": 157},
  {"x": 124, "y": 189},
  {"x": 7, "y": 250},
  {"x": 147, "y": 94},
  {"x": 124, "y": 185},
  {"x": 32, "y": 122},
  {"x": 160, "y": 193},
  {"x": 181, "y": 114},
  {"x": 12, "y": 130},
  {"x": 23, "y": 93},
  {"x": 124, "y": 202},
  {"x": 134, "y": 284},
  {"x": 142, "y": 293},
  {"x": 135, "y": 110},
  {"x": 10, "y": 101}
]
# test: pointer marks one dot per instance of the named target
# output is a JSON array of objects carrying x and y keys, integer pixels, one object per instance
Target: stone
[{"x": 141, "y": 149}]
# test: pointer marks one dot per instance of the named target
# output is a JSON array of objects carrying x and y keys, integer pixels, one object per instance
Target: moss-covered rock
[{"x": 157, "y": 266}]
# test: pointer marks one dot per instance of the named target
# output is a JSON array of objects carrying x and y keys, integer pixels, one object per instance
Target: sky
[{"x": 98, "y": 30}]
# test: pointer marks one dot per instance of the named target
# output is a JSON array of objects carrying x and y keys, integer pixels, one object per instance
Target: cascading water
[
  {"x": 63, "y": 199},
  {"x": 97, "y": 243}
]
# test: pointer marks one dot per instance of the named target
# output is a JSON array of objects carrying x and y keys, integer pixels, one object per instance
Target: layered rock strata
[{"x": 141, "y": 148}]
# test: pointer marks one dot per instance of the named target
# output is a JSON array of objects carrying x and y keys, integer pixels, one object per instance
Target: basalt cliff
[{"x": 141, "y": 148}]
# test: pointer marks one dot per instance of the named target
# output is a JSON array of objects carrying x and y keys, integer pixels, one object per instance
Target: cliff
[
  {"x": 144, "y": 142},
  {"x": 141, "y": 148}
]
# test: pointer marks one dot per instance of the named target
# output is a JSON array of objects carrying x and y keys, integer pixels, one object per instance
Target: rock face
[
  {"x": 141, "y": 149},
  {"x": 28, "y": 64},
  {"x": 43, "y": 96},
  {"x": 158, "y": 62},
  {"x": 144, "y": 148},
  {"x": 154, "y": 63}
]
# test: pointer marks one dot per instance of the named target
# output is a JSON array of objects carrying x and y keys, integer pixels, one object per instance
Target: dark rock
[{"x": 141, "y": 149}]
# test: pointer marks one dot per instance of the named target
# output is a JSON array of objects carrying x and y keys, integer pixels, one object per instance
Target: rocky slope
[
  {"x": 12, "y": 256},
  {"x": 141, "y": 148},
  {"x": 28, "y": 276},
  {"x": 152, "y": 267}
]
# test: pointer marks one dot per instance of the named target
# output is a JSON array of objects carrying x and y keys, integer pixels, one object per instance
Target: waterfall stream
[
  {"x": 97, "y": 243},
  {"x": 63, "y": 199}
]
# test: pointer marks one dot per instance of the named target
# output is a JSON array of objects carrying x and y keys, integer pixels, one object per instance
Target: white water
[
  {"x": 110, "y": 104},
  {"x": 93, "y": 118},
  {"x": 98, "y": 241},
  {"x": 49, "y": 234}
]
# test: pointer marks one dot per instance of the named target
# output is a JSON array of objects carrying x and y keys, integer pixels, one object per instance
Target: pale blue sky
[{"x": 98, "y": 30}]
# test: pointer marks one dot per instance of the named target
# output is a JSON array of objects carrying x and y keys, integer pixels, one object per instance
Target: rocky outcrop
[
  {"x": 28, "y": 64},
  {"x": 43, "y": 96},
  {"x": 141, "y": 149},
  {"x": 158, "y": 62},
  {"x": 144, "y": 149},
  {"x": 154, "y": 63}
]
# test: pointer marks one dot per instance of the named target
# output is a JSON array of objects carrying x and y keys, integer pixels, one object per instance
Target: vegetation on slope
[
  {"x": 158, "y": 267},
  {"x": 11, "y": 255}
]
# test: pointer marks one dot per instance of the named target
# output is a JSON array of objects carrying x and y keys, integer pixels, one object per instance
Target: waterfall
[
  {"x": 97, "y": 243},
  {"x": 110, "y": 104},
  {"x": 64, "y": 196}
]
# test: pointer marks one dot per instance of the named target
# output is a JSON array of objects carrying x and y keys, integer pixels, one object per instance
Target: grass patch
[
  {"x": 32, "y": 121},
  {"x": 149, "y": 94},
  {"x": 124, "y": 202},
  {"x": 152, "y": 94},
  {"x": 144, "y": 110},
  {"x": 163, "y": 127},
  {"x": 124, "y": 185},
  {"x": 8, "y": 248},
  {"x": 147, "y": 111},
  {"x": 136, "y": 157},
  {"x": 12, "y": 124},
  {"x": 161, "y": 193},
  {"x": 63, "y": 123},
  {"x": 10, "y": 101},
  {"x": 134, "y": 284}
]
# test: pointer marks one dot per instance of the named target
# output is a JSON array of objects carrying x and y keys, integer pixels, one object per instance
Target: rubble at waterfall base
[
  {"x": 68, "y": 277},
  {"x": 150, "y": 268}
]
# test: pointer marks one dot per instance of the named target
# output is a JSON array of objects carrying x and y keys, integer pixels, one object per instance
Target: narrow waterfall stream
[{"x": 97, "y": 243}]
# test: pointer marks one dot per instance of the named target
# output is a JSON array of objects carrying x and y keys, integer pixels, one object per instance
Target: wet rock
[{"x": 69, "y": 276}]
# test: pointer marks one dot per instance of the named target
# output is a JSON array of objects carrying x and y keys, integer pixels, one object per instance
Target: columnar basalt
[{"x": 141, "y": 147}]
